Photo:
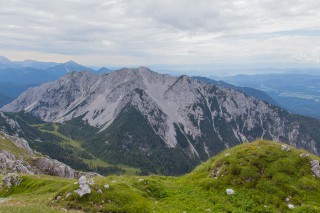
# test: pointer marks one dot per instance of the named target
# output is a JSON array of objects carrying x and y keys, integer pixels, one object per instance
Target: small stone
[
  {"x": 64, "y": 210},
  {"x": 290, "y": 206},
  {"x": 287, "y": 199},
  {"x": 99, "y": 191},
  {"x": 208, "y": 210},
  {"x": 285, "y": 148},
  {"x": 227, "y": 154},
  {"x": 91, "y": 181},
  {"x": 75, "y": 183},
  {"x": 107, "y": 186},
  {"x": 230, "y": 191},
  {"x": 304, "y": 155},
  {"x": 140, "y": 180},
  {"x": 58, "y": 197},
  {"x": 67, "y": 195},
  {"x": 113, "y": 181}
]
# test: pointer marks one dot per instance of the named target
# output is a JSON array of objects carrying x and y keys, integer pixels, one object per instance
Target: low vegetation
[{"x": 264, "y": 177}]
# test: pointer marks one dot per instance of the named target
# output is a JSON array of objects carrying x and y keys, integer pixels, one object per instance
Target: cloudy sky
[{"x": 176, "y": 34}]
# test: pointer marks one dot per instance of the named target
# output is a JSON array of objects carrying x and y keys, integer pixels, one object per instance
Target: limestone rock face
[
  {"x": 11, "y": 179},
  {"x": 20, "y": 158},
  {"x": 54, "y": 167},
  {"x": 9, "y": 163}
]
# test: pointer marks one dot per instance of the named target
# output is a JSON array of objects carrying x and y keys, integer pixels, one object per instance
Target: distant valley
[{"x": 298, "y": 93}]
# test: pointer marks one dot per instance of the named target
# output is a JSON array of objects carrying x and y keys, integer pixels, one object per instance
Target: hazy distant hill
[
  {"x": 247, "y": 90},
  {"x": 298, "y": 93},
  {"x": 17, "y": 76}
]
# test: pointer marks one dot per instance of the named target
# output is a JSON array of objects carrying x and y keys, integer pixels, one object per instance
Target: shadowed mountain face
[{"x": 160, "y": 123}]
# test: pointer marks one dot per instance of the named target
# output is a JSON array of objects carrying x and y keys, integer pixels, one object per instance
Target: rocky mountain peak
[{"x": 182, "y": 111}]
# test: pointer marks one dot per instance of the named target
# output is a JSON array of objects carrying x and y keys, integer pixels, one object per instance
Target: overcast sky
[{"x": 170, "y": 33}]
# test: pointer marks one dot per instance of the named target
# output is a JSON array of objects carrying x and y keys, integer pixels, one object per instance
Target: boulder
[{"x": 83, "y": 187}]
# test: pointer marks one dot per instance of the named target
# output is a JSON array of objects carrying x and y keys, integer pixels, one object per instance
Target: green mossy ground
[{"x": 260, "y": 173}]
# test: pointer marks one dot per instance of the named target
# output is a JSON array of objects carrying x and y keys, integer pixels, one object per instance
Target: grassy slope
[
  {"x": 68, "y": 149},
  {"x": 261, "y": 174}
]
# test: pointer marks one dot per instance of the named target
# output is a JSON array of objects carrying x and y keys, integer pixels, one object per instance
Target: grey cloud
[{"x": 159, "y": 29}]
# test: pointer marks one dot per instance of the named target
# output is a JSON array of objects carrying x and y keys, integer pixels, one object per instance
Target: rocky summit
[{"x": 153, "y": 121}]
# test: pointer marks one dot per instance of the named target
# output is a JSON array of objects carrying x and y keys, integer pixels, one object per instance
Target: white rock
[
  {"x": 91, "y": 181},
  {"x": 82, "y": 180},
  {"x": 227, "y": 154},
  {"x": 285, "y": 148},
  {"x": 230, "y": 191},
  {"x": 107, "y": 186},
  {"x": 315, "y": 168},
  {"x": 84, "y": 189},
  {"x": 291, "y": 206},
  {"x": 304, "y": 155}
]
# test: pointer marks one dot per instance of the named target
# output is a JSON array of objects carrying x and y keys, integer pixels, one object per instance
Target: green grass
[
  {"x": 93, "y": 162},
  {"x": 261, "y": 174}
]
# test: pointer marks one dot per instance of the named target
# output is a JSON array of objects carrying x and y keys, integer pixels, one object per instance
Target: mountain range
[
  {"x": 17, "y": 76},
  {"x": 158, "y": 123}
]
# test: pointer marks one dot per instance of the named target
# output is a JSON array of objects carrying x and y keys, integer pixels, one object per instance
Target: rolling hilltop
[{"x": 262, "y": 176}]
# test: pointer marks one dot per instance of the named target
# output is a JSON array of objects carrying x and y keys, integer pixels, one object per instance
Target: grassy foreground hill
[{"x": 264, "y": 177}]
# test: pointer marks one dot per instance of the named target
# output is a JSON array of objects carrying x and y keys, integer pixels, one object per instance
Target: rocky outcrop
[
  {"x": 17, "y": 157},
  {"x": 315, "y": 168},
  {"x": 10, "y": 180},
  {"x": 54, "y": 167},
  {"x": 9, "y": 163}
]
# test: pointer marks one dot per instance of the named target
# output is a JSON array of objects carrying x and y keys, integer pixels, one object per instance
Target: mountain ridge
[{"x": 185, "y": 116}]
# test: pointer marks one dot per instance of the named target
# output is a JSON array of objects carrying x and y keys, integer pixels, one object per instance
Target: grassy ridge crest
[{"x": 262, "y": 175}]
